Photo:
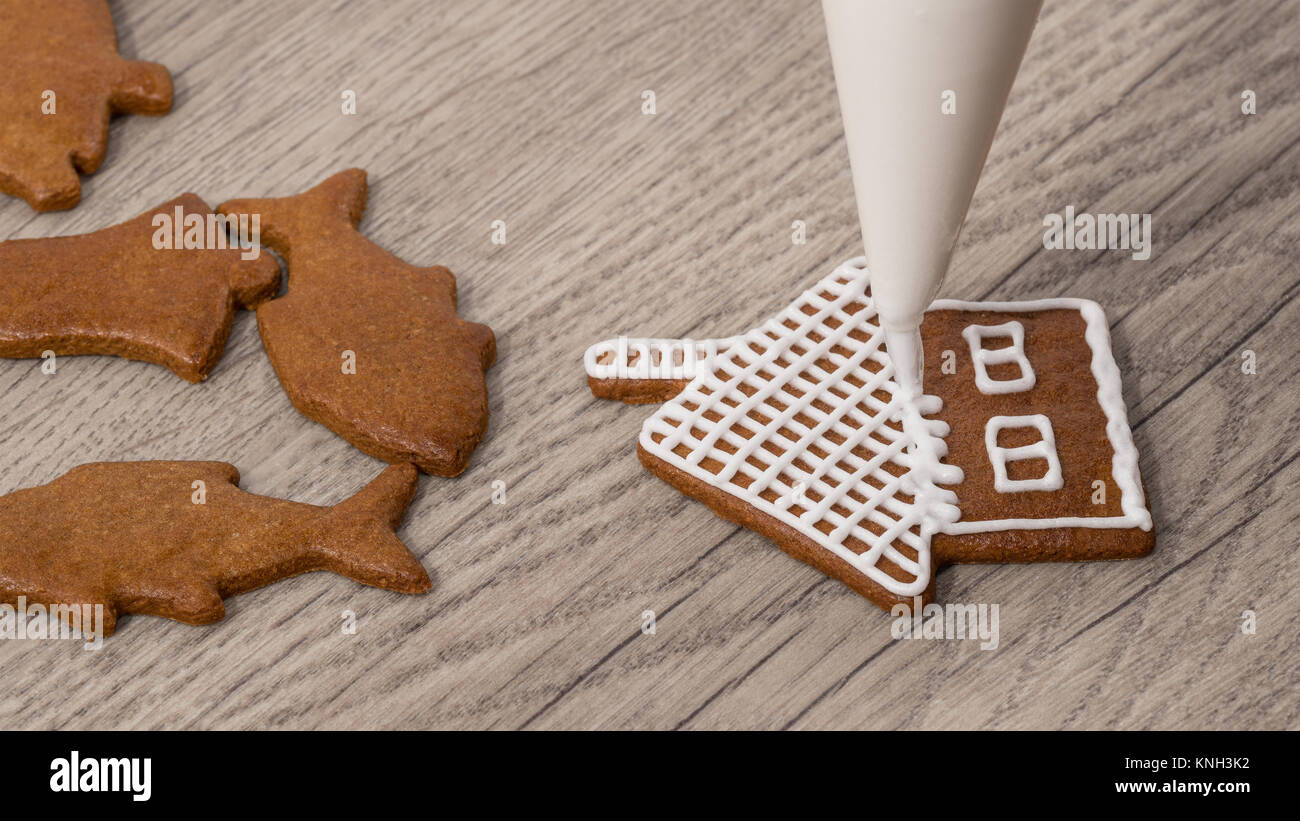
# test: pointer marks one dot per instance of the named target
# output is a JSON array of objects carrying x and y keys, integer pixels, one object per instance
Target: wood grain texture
[{"x": 679, "y": 224}]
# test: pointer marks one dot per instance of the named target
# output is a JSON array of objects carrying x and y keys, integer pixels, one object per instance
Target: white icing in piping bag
[{"x": 914, "y": 166}]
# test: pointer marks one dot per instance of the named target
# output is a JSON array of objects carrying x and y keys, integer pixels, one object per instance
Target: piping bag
[{"x": 922, "y": 85}]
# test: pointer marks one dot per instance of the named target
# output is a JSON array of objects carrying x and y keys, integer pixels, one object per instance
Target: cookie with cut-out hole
[
  {"x": 61, "y": 79},
  {"x": 1020, "y": 450}
]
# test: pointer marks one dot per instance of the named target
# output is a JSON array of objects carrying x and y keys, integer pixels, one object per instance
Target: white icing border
[{"x": 1124, "y": 458}]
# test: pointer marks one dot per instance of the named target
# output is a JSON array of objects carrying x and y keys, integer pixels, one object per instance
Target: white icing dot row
[{"x": 646, "y": 358}]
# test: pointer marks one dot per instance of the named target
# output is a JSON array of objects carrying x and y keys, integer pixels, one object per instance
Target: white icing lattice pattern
[{"x": 802, "y": 418}]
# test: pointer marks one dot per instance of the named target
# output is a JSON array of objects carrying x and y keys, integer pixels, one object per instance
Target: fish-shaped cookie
[
  {"x": 62, "y": 80},
  {"x": 173, "y": 539},
  {"x": 364, "y": 343},
  {"x": 133, "y": 290}
]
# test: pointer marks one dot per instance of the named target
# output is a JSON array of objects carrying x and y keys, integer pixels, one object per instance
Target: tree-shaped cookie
[
  {"x": 162, "y": 288},
  {"x": 61, "y": 78},
  {"x": 1021, "y": 451},
  {"x": 364, "y": 343},
  {"x": 173, "y": 539}
]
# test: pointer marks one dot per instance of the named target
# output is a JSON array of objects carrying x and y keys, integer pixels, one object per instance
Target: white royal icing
[
  {"x": 1044, "y": 448},
  {"x": 983, "y": 357},
  {"x": 1124, "y": 461},
  {"x": 651, "y": 358},
  {"x": 817, "y": 371}
]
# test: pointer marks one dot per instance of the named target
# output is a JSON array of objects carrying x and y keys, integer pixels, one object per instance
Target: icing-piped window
[
  {"x": 983, "y": 357},
  {"x": 1045, "y": 448}
]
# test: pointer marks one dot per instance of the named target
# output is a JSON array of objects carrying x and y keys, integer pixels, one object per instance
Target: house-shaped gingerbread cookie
[{"x": 1019, "y": 451}]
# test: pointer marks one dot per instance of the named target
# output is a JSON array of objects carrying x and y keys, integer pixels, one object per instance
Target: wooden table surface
[{"x": 672, "y": 224}]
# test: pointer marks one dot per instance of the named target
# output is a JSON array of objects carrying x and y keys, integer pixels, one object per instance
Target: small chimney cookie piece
[
  {"x": 173, "y": 539},
  {"x": 134, "y": 290},
  {"x": 364, "y": 343},
  {"x": 61, "y": 78}
]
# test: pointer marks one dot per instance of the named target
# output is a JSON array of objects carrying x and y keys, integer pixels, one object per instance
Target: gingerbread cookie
[
  {"x": 645, "y": 371},
  {"x": 173, "y": 539},
  {"x": 133, "y": 290},
  {"x": 60, "y": 80},
  {"x": 797, "y": 430},
  {"x": 366, "y": 344}
]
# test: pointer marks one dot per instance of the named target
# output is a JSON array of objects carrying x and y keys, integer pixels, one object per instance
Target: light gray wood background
[{"x": 680, "y": 224}]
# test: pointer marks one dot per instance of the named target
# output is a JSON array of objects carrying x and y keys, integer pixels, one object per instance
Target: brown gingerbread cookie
[
  {"x": 173, "y": 539},
  {"x": 133, "y": 290},
  {"x": 60, "y": 80},
  {"x": 646, "y": 371},
  {"x": 1019, "y": 452},
  {"x": 364, "y": 343}
]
